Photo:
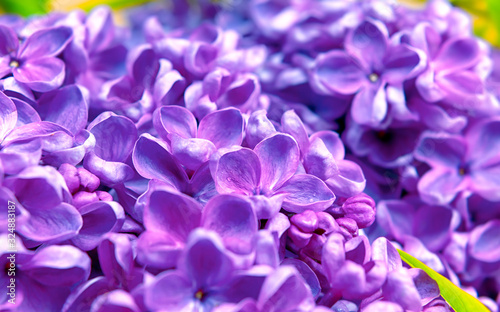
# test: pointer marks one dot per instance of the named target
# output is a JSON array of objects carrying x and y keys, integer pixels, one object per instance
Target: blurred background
[{"x": 486, "y": 13}]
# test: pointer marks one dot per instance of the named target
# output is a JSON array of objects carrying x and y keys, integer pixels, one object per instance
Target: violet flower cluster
[{"x": 234, "y": 157}]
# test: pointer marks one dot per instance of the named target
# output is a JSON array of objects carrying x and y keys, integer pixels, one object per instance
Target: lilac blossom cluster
[{"x": 189, "y": 162}]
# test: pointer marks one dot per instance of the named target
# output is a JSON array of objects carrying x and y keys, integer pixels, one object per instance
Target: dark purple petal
[
  {"x": 205, "y": 260},
  {"x": 57, "y": 224},
  {"x": 199, "y": 58},
  {"x": 233, "y": 218},
  {"x": 86, "y": 293},
  {"x": 116, "y": 258},
  {"x": 65, "y": 107},
  {"x": 224, "y": 128},
  {"x": 338, "y": 72},
  {"x": 8, "y": 41},
  {"x": 433, "y": 226},
  {"x": 172, "y": 212},
  {"x": 153, "y": 161},
  {"x": 427, "y": 288},
  {"x": 8, "y": 116},
  {"x": 484, "y": 244},
  {"x": 238, "y": 171},
  {"x": 99, "y": 218},
  {"x": 46, "y": 43},
  {"x": 68, "y": 263},
  {"x": 279, "y": 156},
  {"x": 246, "y": 284},
  {"x": 169, "y": 85},
  {"x": 41, "y": 74},
  {"x": 396, "y": 217},
  {"x": 402, "y": 62},
  {"x": 115, "y": 137},
  {"x": 306, "y": 192},
  {"x": 358, "y": 250},
  {"x": 143, "y": 65}
]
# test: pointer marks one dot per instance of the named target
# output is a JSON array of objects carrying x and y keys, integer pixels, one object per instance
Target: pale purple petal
[
  {"x": 41, "y": 74},
  {"x": 318, "y": 160},
  {"x": 115, "y": 301},
  {"x": 279, "y": 156},
  {"x": 158, "y": 250},
  {"x": 26, "y": 114},
  {"x": 46, "y": 43},
  {"x": 243, "y": 93},
  {"x": 332, "y": 142},
  {"x": 486, "y": 182},
  {"x": 109, "y": 172},
  {"x": 385, "y": 306},
  {"x": 258, "y": 127},
  {"x": 369, "y": 105},
  {"x": 400, "y": 288},
  {"x": 8, "y": 116},
  {"x": 384, "y": 251},
  {"x": 433, "y": 226},
  {"x": 116, "y": 258},
  {"x": 169, "y": 86},
  {"x": 191, "y": 153},
  {"x": 306, "y": 192},
  {"x": 20, "y": 155},
  {"x": 170, "y": 290},
  {"x": 174, "y": 119},
  {"x": 233, "y": 218},
  {"x": 8, "y": 40},
  {"x": 338, "y": 72},
  {"x": 333, "y": 256},
  {"x": 484, "y": 244},
  {"x": 368, "y": 43},
  {"x": 440, "y": 186},
  {"x": 441, "y": 150},
  {"x": 292, "y": 125},
  {"x": 238, "y": 171},
  {"x": 224, "y": 128},
  {"x": 457, "y": 54},
  {"x": 402, "y": 62},
  {"x": 427, "y": 288},
  {"x": 350, "y": 180}
]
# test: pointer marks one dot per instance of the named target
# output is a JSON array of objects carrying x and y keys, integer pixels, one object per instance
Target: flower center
[
  {"x": 14, "y": 64},
  {"x": 461, "y": 171},
  {"x": 384, "y": 136},
  {"x": 373, "y": 77},
  {"x": 199, "y": 294}
]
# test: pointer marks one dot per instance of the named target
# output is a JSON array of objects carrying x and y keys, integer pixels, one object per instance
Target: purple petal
[
  {"x": 243, "y": 93},
  {"x": 216, "y": 82},
  {"x": 318, "y": 160},
  {"x": 192, "y": 153},
  {"x": 463, "y": 87},
  {"x": 65, "y": 107},
  {"x": 358, "y": 250},
  {"x": 202, "y": 186},
  {"x": 279, "y": 156},
  {"x": 169, "y": 86},
  {"x": 338, "y": 72},
  {"x": 99, "y": 218},
  {"x": 171, "y": 290},
  {"x": 440, "y": 186},
  {"x": 57, "y": 224},
  {"x": 115, "y": 137},
  {"x": 383, "y": 250},
  {"x": 8, "y": 40},
  {"x": 41, "y": 74},
  {"x": 199, "y": 58},
  {"x": 246, "y": 284},
  {"x": 8, "y": 115},
  {"x": 385, "y": 306},
  {"x": 427, "y": 86},
  {"x": 98, "y": 24},
  {"x": 292, "y": 125},
  {"x": 46, "y": 43},
  {"x": 349, "y": 182},
  {"x": 115, "y": 301},
  {"x": 437, "y": 119},
  {"x": 158, "y": 250},
  {"x": 18, "y": 156},
  {"x": 238, "y": 171},
  {"x": 486, "y": 182},
  {"x": 427, "y": 288},
  {"x": 369, "y": 105},
  {"x": 457, "y": 54},
  {"x": 484, "y": 244},
  {"x": 332, "y": 142},
  {"x": 116, "y": 258},
  {"x": 109, "y": 172},
  {"x": 433, "y": 226},
  {"x": 258, "y": 127},
  {"x": 153, "y": 161},
  {"x": 70, "y": 264},
  {"x": 441, "y": 150},
  {"x": 333, "y": 255},
  {"x": 306, "y": 192},
  {"x": 224, "y": 128},
  {"x": 401, "y": 63},
  {"x": 174, "y": 119},
  {"x": 483, "y": 142},
  {"x": 285, "y": 289},
  {"x": 205, "y": 261},
  {"x": 368, "y": 43},
  {"x": 400, "y": 288},
  {"x": 26, "y": 114},
  {"x": 143, "y": 65},
  {"x": 396, "y": 217},
  {"x": 86, "y": 293},
  {"x": 6, "y": 199},
  {"x": 233, "y": 219},
  {"x": 52, "y": 136},
  {"x": 172, "y": 212}
]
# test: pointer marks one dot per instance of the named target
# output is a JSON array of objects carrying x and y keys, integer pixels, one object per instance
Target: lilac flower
[
  {"x": 36, "y": 287},
  {"x": 266, "y": 174},
  {"x": 204, "y": 277},
  {"x": 460, "y": 163},
  {"x": 370, "y": 67},
  {"x": 34, "y": 63}
]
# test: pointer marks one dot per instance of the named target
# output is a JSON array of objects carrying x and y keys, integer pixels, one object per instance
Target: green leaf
[
  {"x": 24, "y": 7},
  {"x": 458, "y": 299}
]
